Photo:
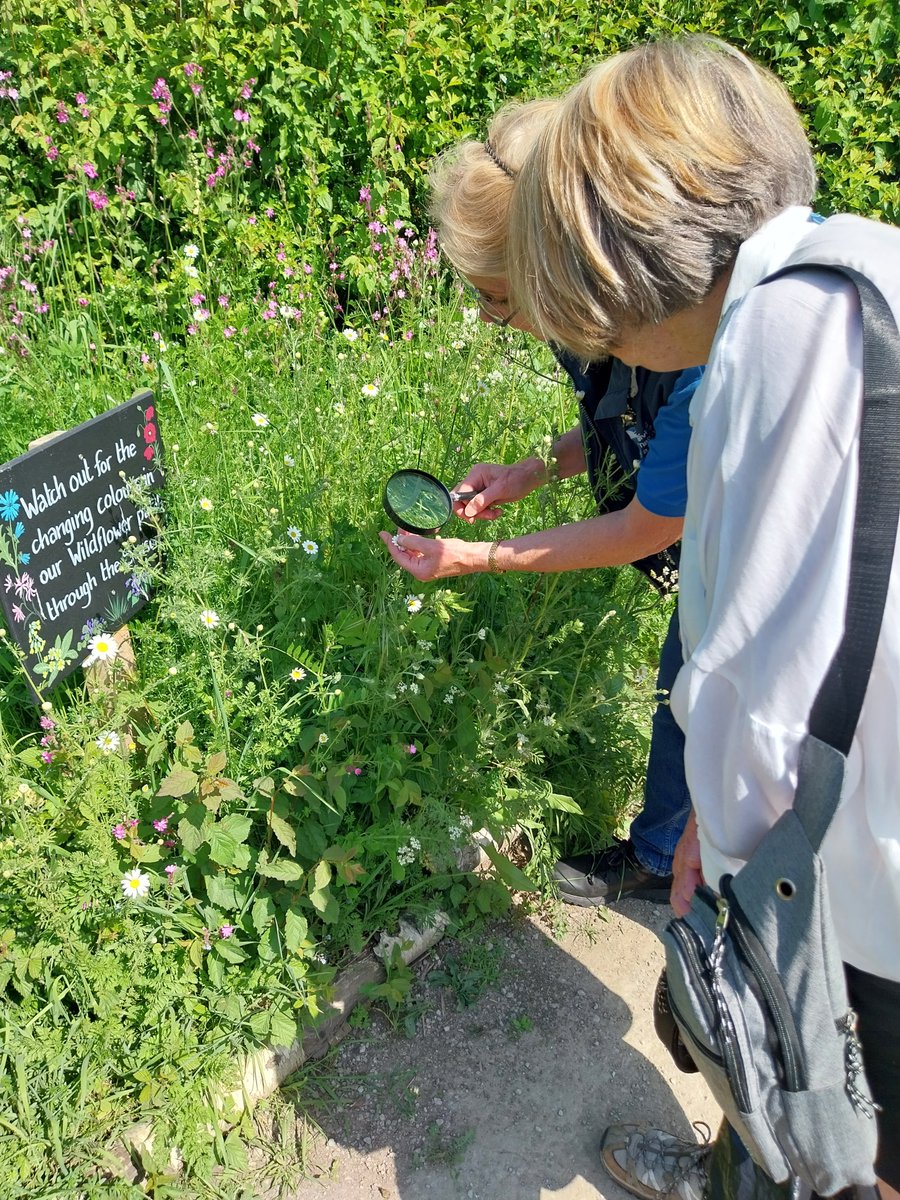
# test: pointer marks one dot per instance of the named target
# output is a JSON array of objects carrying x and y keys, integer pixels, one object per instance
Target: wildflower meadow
[{"x": 286, "y": 749}]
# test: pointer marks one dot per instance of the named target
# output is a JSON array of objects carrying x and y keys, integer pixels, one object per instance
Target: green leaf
[
  {"x": 325, "y": 904},
  {"x": 237, "y": 826},
  {"x": 564, "y": 803},
  {"x": 193, "y": 828},
  {"x": 221, "y": 890},
  {"x": 221, "y": 845},
  {"x": 216, "y": 763},
  {"x": 284, "y": 869},
  {"x": 179, "y": 781},
  {"x": 262, "y": 914},
  {"x": 145, "y": 854},
  {"x": 283, "y": 1029},
  {"x": 295, "y": 930},
  {"x": 509, "y": 872},
  {"x": 283, "y": 832},
  {"x": 228, "y": 949}
]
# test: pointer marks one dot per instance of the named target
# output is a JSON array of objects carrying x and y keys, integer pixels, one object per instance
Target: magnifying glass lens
[{"x": 417, "y": 501}]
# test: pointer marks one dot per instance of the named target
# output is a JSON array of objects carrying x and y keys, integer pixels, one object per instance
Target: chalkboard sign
[{"x": 79, "y": 517}]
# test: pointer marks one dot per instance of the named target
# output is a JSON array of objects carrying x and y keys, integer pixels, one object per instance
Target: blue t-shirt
[{"x": 661, "y": 484}]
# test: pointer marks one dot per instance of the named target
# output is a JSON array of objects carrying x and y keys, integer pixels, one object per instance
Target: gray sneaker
[{"x": 655, "y": 1165}]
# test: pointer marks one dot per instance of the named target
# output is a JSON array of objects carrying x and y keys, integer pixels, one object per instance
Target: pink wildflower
[
  {"x": 225, "y": 931},
  {"x": 223, "y": 301},
  {"x": 99, "y": 200},
  {"x": 170, "y": 871},
  {"x": 241, "y": 115},
  {"x": 120, "y": 833},
  {"x": 161, "y": 824},
  {"x": 411, "y": 748},
  {"x": 80, "y": 98},
  {"x": 62, "y": 114},
  {"x": 90, "y": 170},
  {"x": 82, "y": 302},
  {"x": 229, "y": 331},
  {"x": 47, "y": 756}
]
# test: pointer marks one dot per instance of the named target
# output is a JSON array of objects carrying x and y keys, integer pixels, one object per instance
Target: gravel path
[{"x": 503, "y": 1088}]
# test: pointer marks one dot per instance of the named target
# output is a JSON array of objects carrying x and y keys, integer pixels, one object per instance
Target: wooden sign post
[{"x": 79, "y": 518}]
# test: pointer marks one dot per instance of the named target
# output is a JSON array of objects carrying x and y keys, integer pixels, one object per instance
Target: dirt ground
[{"x": 498, "y": 1090}]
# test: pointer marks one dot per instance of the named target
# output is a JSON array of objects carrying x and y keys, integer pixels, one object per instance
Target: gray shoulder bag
[{"x": 754, "y": 972}]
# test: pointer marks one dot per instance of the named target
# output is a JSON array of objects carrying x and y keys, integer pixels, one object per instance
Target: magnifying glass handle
[{"x": 457, "y": 496}]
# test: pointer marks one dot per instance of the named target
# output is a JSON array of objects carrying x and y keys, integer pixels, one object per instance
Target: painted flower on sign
[{"x": 9, "y": 506}]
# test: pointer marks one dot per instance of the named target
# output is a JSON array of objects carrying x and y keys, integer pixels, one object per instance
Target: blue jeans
[{"x": 660, "y": 823}]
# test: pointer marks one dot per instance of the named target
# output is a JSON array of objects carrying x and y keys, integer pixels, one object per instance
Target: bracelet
[{"x": 492, "y": 560}]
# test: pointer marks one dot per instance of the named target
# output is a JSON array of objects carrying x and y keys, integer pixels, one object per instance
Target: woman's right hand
[{"x": 495, "y": 485}]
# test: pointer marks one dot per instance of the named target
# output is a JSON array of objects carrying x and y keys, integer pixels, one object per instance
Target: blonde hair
[
  {"x": 648, "y": 177},
  {"x": 471, "y": 191}
]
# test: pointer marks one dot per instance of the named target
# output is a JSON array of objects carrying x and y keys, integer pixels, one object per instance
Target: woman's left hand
[{"x": 428, "y": 558}]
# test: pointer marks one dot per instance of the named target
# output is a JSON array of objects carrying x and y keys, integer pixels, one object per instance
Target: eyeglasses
[{"x": 490, "y": 308}]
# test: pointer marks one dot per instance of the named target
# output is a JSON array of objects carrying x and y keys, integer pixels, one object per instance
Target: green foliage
[{"x": 310, "y": 738}]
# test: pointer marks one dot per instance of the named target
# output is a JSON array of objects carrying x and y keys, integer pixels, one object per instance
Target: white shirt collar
[{"x": 765, "y": 252}]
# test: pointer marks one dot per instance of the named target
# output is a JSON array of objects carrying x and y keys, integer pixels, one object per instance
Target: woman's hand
[
  {"x": 435, "y": 558},
  {"x": 686, "y": 868},
  {"x": 496, "y": 485}
]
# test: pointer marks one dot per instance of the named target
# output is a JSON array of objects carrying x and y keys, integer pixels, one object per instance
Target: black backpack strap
[{"x": 836, "y": 708}]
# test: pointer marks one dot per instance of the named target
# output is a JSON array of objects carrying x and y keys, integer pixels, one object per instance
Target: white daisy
[
  {"x": 108, "y": 741},
  {"x": 190, "y": 270},
  {"x": 370, "y": 390},
  {"x": 323, "y": 738},
  {"x": 413, "y": 604},
  {"x": 294, "y": 534},
  {"x": 311, "y": 548},
  {"x": 350, "y": 334},
  {"x": 209, "y": 618},
  {"x": 103, "y": 647},
  {"x": 297, "y": 674},
  {"x": 135, "y": 884},
  {"x": 191, "y": 251},
  {"x": 290, "y": 461},
  {"x": 205, "y": 503},
  {"x": 260, "y": 420}
]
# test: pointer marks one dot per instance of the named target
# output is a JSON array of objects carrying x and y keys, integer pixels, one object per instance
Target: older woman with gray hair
[{"x": 667, "y": 186}]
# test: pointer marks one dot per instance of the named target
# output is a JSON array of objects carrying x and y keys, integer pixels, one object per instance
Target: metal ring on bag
[{"x": 786, "y": 889}]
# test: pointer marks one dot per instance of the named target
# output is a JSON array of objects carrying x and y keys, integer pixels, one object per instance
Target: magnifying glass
[{"x": 418, "y": 502}]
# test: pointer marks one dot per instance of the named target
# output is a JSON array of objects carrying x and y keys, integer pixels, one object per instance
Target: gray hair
[{"x": 648, "y": 177}]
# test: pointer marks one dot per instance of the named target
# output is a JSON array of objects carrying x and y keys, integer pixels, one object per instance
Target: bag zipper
[
  {"x": 692, "y": 947},
  {"x": 695, "y": 1041},
  {"x": 751, "y": 950},
  {"x": 716, "y": 1015}
]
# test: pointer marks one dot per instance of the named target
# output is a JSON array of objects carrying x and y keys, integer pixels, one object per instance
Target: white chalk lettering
[
  {"x": 59, "y": 604},
  {"x": 51, "y": 572},
  {"x": 82, "y": 518},
  {"x": 99, "y": 539},
  {"x": 46, "y": 498},
  {"x": 111, "y": 497}
]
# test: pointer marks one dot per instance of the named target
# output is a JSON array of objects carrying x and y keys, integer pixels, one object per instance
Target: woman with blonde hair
[
  {"x": 628, "y": 417},
  {"x": 665, "y": 190}
]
